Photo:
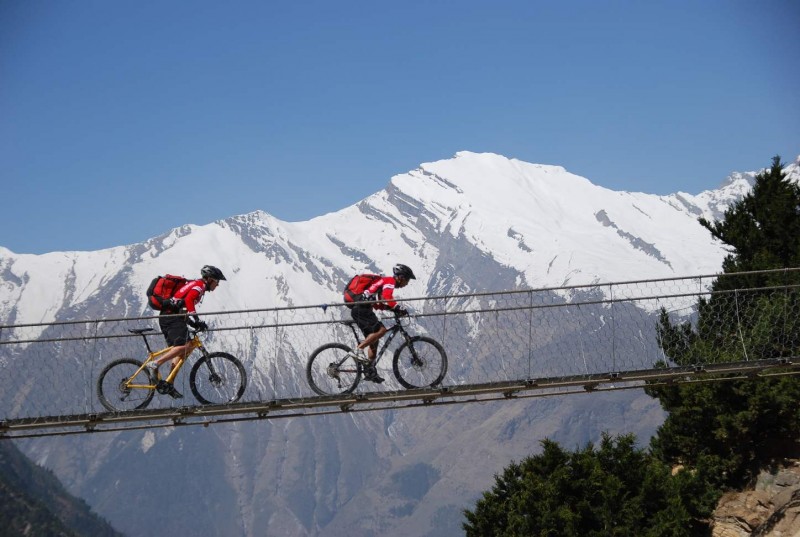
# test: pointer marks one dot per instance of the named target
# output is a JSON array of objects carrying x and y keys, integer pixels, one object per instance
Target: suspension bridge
[{"x": 500, "y": 346}]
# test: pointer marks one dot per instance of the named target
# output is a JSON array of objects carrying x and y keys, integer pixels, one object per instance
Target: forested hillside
[{"x": 33, "y": 502}]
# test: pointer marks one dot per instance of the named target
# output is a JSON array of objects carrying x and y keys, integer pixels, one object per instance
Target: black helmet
[
  {"x": 210, "y": 271},
  {"x": 402, "y": 271}
]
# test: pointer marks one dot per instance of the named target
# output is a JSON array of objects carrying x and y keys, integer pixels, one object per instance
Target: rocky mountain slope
[{"x": 770, "y": 509}]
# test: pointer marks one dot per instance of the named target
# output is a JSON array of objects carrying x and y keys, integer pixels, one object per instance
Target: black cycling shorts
[
  {"x": 365, "y": 318},
  {"x": 174, "y": 329}
]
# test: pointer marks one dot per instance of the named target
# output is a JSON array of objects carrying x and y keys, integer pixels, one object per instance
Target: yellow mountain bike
[{"x": 128, "y": 384}]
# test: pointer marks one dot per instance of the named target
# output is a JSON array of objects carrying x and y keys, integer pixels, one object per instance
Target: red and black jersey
[
  {"x": 192, "y": 294},
  {"x": 382, "y": 289}
]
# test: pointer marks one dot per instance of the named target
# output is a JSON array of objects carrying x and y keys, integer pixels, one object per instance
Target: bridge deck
[{"x": 206, "y": 415}]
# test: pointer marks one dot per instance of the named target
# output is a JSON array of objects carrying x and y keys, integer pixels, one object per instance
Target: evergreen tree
[
  {"x": 734, "y": 428},
  {"x": 613, "y": 490}
]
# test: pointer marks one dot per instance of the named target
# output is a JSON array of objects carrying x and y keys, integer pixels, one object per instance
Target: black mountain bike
[{"x": 418, "y": 362}]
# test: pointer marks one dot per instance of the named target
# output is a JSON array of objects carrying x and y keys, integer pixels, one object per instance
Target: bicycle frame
[
  {"x": 128, "y": 384},
  {"x": 388, "y": 338},
  {"x": 194, "y": 344}
]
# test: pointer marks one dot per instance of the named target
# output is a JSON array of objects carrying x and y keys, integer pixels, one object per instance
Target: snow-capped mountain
[
  {"x": 475, "y": 222},
  {"x": 549, "y": 226}
]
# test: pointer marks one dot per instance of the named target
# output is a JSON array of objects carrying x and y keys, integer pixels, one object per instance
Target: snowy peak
[
  {"x": 714, "y": 203},
  {"x": 793, "y": 170},
  {"x": 546, "y": 223},
  {"x": 738, "y": 182}
]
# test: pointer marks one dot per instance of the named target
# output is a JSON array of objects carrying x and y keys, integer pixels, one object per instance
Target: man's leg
[
  {"x": 174, "y": 354},
  {"x": 176, "y": 334},
  {"x": 373, "y": 331},
  {"x": 371, "y": 342}
]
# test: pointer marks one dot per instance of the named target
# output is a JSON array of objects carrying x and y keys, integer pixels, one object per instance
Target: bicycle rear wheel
[
  {"x": 218, "y": 378},
  {"x": 420, "y": 362},
  {"x": 332, "y": 370},
  {"x": 122, "y": 386}
]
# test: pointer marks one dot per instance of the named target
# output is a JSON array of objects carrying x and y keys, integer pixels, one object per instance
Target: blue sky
[{"x": 121, "y": 120}]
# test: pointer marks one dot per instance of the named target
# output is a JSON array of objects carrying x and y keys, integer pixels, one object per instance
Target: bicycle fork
[
  {"x": 416, "y": 360},
  {"x": 213, "y": 376}
]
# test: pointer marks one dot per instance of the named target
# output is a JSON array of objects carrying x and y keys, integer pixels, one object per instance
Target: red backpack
[
  {"x": 354, "y": 290},
  {"x": 162, "y": 288}
]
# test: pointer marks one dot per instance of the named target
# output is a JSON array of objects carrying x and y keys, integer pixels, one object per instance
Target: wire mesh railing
[{"x": 51, "y": 369}]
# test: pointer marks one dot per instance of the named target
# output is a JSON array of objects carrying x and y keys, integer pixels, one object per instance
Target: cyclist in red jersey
[
  {"x": 174, "y": 327},
  {"x": 364, "y": 315}
]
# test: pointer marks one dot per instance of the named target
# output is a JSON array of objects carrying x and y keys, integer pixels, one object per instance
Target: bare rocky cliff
[{"x": 770, "y": 509}]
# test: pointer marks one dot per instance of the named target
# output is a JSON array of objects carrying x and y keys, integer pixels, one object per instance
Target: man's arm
[{"x": 388, "y": 295}]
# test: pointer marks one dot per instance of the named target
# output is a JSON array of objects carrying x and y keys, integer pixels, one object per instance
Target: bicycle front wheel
[
  {"x": 125, "y": 385},
  {"x": 218, "y": 378},
  {"x": 332, "y": 370},
  {"x": 420, "y": 362}
]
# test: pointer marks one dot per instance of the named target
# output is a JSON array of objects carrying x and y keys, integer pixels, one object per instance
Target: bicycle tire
[
  {"x": 330, "y": 371},
  {"x": 222, "y": 380},
  {"x": 113, "y": 393},
  {"x": 430, "y": 370}
]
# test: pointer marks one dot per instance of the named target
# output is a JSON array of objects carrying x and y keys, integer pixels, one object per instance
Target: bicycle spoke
[{"x": 332, "y": 370}]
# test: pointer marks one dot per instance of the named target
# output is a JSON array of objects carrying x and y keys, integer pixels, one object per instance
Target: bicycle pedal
[{"x": 163, "y": 387}]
